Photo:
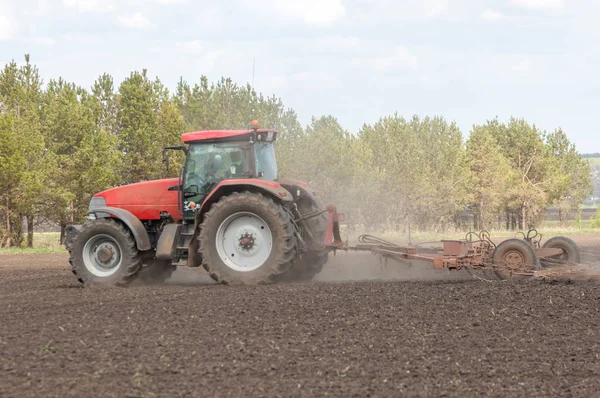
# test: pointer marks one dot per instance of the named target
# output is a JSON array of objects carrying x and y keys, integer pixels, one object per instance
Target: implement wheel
[
  {"x": 570, "y": 251},
  {"x": 513, "y": 256},
  {"x": 104, "y": 253},
  {"x": 247, "y": 238}
]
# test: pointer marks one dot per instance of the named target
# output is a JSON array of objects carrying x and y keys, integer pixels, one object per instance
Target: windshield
[
  {"x": 265, "y": 161},
  {"x": 208, "y": 164}
]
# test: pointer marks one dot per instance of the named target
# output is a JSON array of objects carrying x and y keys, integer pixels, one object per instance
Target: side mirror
[{"x": 166, "y": 154}]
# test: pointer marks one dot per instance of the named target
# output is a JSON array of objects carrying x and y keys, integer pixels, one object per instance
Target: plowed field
[{"x": 360, "y": 330}]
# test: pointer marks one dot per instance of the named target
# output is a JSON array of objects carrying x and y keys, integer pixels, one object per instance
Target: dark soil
[{"x": 194, "y": 338}]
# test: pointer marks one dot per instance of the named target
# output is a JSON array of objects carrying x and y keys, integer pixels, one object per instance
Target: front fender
[{"x": 132, "y": 222}]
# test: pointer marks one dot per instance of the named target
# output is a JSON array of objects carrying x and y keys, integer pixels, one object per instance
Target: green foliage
[
  {"x": 20, "y": 98},
  {"x": 491, "y": 177},
  {"x": 61, "y": 144}
]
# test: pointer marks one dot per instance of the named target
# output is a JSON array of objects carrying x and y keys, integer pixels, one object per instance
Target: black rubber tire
[
  {"x": 283, "y": 249},
  {"x": 157, "y": 272},
  {"x": 311, "y": 263},
  {"x": 130, "y": 257},
  {"x": 517, "y": 246},
  {"x": 571, "y": 252}
]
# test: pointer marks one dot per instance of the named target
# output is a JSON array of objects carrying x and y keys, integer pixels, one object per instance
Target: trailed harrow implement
[{"x": 522, "y": 256}]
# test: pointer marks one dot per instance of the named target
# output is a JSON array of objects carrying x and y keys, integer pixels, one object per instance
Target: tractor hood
[{"x": 145, "y": 200}]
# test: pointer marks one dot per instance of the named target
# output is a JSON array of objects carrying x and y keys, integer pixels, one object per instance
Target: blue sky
[{"x": 358, "y": 60}]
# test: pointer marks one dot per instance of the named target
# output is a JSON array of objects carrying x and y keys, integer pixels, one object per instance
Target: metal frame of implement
[{"x": 476, "y": 251}]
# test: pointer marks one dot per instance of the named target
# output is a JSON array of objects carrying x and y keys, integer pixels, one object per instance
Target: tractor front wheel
[
  {"x": 514, "y": 256},
  {"x": 247, "y": 238},
  {"x": 104, "y": 252}
]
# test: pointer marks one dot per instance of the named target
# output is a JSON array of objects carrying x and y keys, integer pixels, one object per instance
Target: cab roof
[{"x": 217, "y": 134}]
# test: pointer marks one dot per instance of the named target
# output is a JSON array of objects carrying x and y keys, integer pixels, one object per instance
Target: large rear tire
[
  {"x": 310, "y": 263},
  {"x": 514, "y": 255},
  {"x": 104, "y": 253},
  {"x": 247, "y": 238},
  {"x": 570, "y": 251}
]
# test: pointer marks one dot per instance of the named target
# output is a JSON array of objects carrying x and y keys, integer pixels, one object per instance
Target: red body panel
[
  {"x": 216, "y": 134},
  {"x": 145, "y": 200}
]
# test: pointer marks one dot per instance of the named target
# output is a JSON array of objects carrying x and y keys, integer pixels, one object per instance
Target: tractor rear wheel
[
  {"x": 104, "y": 253},
  {"x": 514, "y": 255},
  {"x": 311, "y": 263},
  {"x": 247, "y": 238},
  {"x": 570, "y": 251}
]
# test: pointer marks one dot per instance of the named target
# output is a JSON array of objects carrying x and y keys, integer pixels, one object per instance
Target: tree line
[{"x": 61, "y": 143}]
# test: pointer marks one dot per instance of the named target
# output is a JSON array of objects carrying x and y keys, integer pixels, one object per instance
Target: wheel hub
[
  {"x": 514, "y": 260},
  {"x": 102, "y": 255},
  {"x": 247, "y": 242},
  {"x": 244, "y": 241},
  {"x": 105, "y": 253}
]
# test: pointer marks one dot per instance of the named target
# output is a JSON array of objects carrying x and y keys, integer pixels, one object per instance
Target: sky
[{"x": 358, "y": 60}]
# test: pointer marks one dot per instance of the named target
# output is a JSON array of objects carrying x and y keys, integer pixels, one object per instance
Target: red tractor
[{"x": 228, "y": 211}]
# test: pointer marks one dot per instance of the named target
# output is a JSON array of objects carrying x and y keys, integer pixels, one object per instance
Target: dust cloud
[
  {"x": 345, "y": 267},
  {"x": 364, "y": 266}
]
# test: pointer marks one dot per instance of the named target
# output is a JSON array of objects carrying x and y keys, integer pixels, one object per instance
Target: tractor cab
[{"x": 216, "y": 156}]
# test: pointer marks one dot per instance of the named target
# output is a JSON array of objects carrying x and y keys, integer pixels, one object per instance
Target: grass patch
[
  {"x": 47, "y": 242},
  {"x": 594, "y": 161}
]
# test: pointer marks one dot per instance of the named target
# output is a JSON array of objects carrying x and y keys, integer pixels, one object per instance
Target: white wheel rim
[
  {"x": 102, "y": 255},
  {"x": 244, "y": 241}
]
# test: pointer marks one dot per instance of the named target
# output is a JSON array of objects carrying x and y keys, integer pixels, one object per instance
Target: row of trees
[
  {"x": 422, "y": 172},
  {"x": 60, "y": 143}
]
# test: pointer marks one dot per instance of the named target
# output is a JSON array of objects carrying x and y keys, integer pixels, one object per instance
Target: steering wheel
[{"x": 194, "y": 179}]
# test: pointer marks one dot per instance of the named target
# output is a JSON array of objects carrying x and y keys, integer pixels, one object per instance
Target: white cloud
[
  {"x": 539, "y": 4},
  {"x": 522, "y": 67},
  {"x": 335, "y": 44},
  {"x": 42, "y": 41},
  {"x": 415, "y": 10},
  {"x": 437, "y": 8},
  {"x": 92, "y": 6},
  {"x": 135, "y": 21},
  {"x": 491, "y": 15},
  {"x": 169, "y": 2},
  {"x": 190, "y": 47},
  {"x": 402, "y": 57},
  {"x": 7, "y": 28},
  {"x": 310, "y": 12}
]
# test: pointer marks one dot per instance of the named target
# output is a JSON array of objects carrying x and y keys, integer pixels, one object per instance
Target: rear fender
[
  {"x": 299, "y": 190},
  {"x": 132, "y": 222},
  {"x": 302, "y": 192},
  {"x": 227, "y": 187}
]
